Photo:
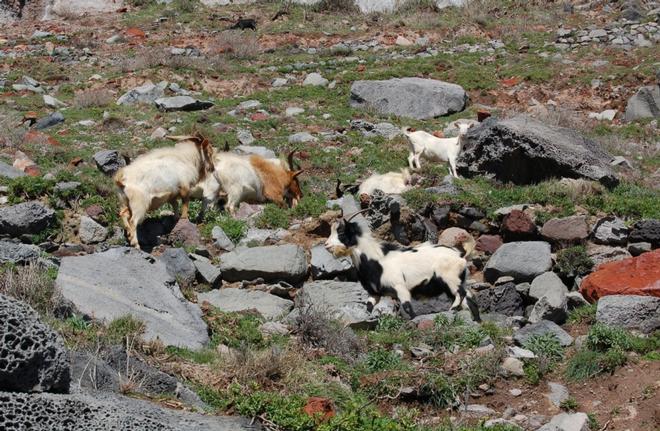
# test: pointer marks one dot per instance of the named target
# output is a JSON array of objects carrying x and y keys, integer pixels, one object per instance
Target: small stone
[
  {"x": 513, "y": 367},
  {"x": 245, "y": 137},
  {"x": 293, "y": 111},
  {"x": 315, "y": 79},
  {"x": 91, "y": 232},
  {"x": 221, "y": 240},
  {"x": 515, "y": 392},
  {"x": 402, "y": 41},
  {"x": 302, "y": 138},
  {"x": 558, "y": 394},
  {"x": 52, "y": 102},
  {"x": 158, "y": 133},
  {"x": 638, "y": 248},
  {"x": 248, "y": 104}
]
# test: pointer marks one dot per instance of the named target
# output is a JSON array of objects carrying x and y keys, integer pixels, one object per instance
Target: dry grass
[
  {"x": 341, "y": 6},
  {"x": 12, "y": 134},
  {"x": 93, "y": 98},
  {"x": 266, "y": 367},
  {"x": 149, "y": 58},
  {"x": 31, "y": 285},
  {"x": 236, "y": 44}
]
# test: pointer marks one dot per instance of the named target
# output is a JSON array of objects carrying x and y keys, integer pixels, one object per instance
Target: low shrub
[{"x": 32, "y": 285}]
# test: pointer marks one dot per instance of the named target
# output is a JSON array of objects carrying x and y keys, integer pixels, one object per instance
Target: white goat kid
[
  {"x": 389, "y": 183},
  {"x": 423, "y": 144},
  {"x": 388, "y": 269},
  {"x": 161, "y": 176}
]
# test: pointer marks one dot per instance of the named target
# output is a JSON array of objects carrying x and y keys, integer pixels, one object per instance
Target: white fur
[
  {"x": 423, "y": 144},
  {"x": 389, "y": 183}
]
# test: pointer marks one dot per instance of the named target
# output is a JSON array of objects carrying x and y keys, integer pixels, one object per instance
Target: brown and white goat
[
  {"x": 253, "y": 179},
  {"x": 161, "y": 176}
]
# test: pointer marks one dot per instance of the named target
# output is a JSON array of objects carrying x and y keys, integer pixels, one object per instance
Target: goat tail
[{"x": 467, "y": 297}]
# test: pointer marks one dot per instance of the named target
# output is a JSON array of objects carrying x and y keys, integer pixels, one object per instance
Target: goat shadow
[{"x": 154, "y": 231}]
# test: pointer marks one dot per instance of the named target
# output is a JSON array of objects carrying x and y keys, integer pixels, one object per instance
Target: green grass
[
  {"x": 234, "y": 229},
  {"x": 548, "y": 353},
  {"x": 273, "y": 217},
  {"x": 574, "y": 261},
  {"x": 585, "y": 314}
]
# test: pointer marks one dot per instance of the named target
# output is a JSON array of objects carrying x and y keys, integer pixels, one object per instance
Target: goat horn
[
  {"x": 290, "y": 159},
  {"x": 338, "y": 191},
  {"x": 357, "y": 213}
]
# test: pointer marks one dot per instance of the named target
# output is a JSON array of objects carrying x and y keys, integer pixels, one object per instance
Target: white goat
[
  {"x": 435, "y": 149},
  {"x": 161, "y": 176},
  {"x": 389, "y": 183},
  {"x": 250, "y": 178},
  {"x": 388, "y": 269}
]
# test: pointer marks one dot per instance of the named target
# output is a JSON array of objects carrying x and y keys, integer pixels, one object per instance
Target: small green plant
[
  {"x": 602, "y": 338},
  {"x": 546, "y": 346},
  {"x": 124, "y": 327},
  {"x": 273, "y": 217},
  {"x": 381, "y": 360},
  {"x": 311, "y": 205},
  {"x": 234, "y": 229},
  {"x": 389, "y": 323},
  {"x": 574, "y": 261},
  {"x": 585, "y": 314},
  {"x": 593, "y": 422},
  {"x": 569, "y": 404},
  {"x": 418, "y": 198},
  {"x": 234, "y": 329}
]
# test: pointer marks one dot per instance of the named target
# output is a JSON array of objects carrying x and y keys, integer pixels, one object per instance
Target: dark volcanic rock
[
  {"x": 25, "y": 218},
  {"x": 524, "y": 151},
  {"x": 503, "y": 299},
  {"x": 32, "y": 355},
  {"x": 646, "y": 231}
]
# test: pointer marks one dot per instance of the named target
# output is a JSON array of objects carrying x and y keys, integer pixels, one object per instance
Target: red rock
[
  {"x": 482, "y": 115},
  {"x": 320, "y": 408},
  {"x": 518, "y": 226},
  {"x": 634, "y": 276},
  {"x": 94, "y": 211},
  {"x": 32, "y": 171},
  {"x": 259, "y": 116},
  {"x": 489, "y": 243},
  {"x": 185, "y": 233},
  {"x": 567, "y": 229},
  {"x": 135, "y": 32}
]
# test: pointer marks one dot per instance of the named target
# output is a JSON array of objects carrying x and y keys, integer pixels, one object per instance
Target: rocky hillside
[{"x": 248, "y": 322}]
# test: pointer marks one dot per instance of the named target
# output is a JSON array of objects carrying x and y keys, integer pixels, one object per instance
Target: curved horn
[
  {"x": 338, "y": 191},
  {"x": 290, "y": 160},
  {"x": 357, "y": 213}
]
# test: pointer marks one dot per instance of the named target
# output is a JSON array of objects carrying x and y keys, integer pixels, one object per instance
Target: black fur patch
[
  {"x": 369, "y": 273},
  {"x": 348, "y": 233},
  {"x": 430, "y": 288}
]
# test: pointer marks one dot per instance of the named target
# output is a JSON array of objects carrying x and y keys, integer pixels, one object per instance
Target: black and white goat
[{"x": 391, "y": 270}]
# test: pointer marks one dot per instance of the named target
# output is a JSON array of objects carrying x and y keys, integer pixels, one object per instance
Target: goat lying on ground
[
  {"x": 161, "y": 176},
  {"x": 435, "y": 149},
  {"x": 389, "y": 183},
  {"x": 387, "y": 269},
  {"x": 251, "y": 178}
]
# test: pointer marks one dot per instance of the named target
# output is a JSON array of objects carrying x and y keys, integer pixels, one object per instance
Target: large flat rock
[
  {"x": 524, "y": 151},
  {"x": 272, "y": 263},
  {"x": 522, "y": 260},
  {"x": 102, "y": 411},
  {"x": 231, "y": 299},
  {"x": 124, "y": 281},
  {"x": 416, "y": 98}
]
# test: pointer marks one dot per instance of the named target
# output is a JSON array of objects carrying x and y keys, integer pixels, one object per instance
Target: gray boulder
[
  {"x": 221, "y": 240},
  {"x": 17, "y": 253},
  {"x": 325, "y": 266},
  {"x": 386, "y": 130},
  {"x": 123, "y": 281},
  {"x": 206, "y": 271},
  {"x": 32, "y": 355},
  {"x": 100, "y": 411},
  {"x": 344, "y": 301},
  {"x": 146, "y": 93},
  {"x": 611, "y": 231},
  {"x": 90, "y": 232},
  {"x": 181, "y": 103},
  {"x": 271, "y": 263},
  {"x": 178, "y": 264},
  {"x": 524, "y": 151},
  {"x": 629, "y": 311},
  {"x": 271, "y": 307},
  {"x": 49, "y": 121},
  {"x": 416, "y": 98},
  {"x": 8, "y": 171},
  {"x": 540, "y": 328},
  {"x": 109, "y": 161},
  {"x": 553, "y": 305},
  {"x": 503, "y": 299},
  {"x": 646, "y": 231},
  {"x": 315, "y": 79},
  {"x": 521, "y": 260},
  {"x": 558, "y": 394},
  {"x": 567, "y": 422},
  {"x": 25, "y": 218},
  {"x": 644, "y": 104}
]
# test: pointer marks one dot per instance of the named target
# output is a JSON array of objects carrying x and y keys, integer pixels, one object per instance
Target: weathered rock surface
[
  {"x": 386, "y": 130},
  {"x": 109, "y": 161},
  {"x": 325, "y": 266},
  {"x": 567, "y": 422},
  {"x": 90, "y": 232},
  {"x": 567, "y": 229},
  {"x": 8, "y": 171},
  {"x": 221, "y": 240},
  {"x": 610, "y": 231},
  {"x": 181, "y": 103},
  {"x": 206, "y": 271},
  {"x": 503, "y": 299},
  {"x": 272, "y": 263},
  {"x": 545, "y": 283},
  {"x": 524, "y": 151},
  {"x": 346, "y": 301},
  {"x": 232, "y": 299},
  {"x": 540, "y": 328},
  {"x": 315, "y": 79},
  {"x": 646, "y": 231},
  {"x": 25, "y": 218},
  {"x": 416, "y": 98},
  {"x": 489, "y": 243},
  {"x": 99, "y": 411},
  {"x": 558, "y": 393},
  {"x": 178, "y": 264},
  {"x": 146, "y": 93},
  {"x": 124, "y": 281},
  {"x": 600, "y": 254},
  {"x": 521, "y": 260},
  {"x": 518, "y": 226},
  {"x": 32, "y": 355},
  {"x": 634, "y": 276},
  {"x": 631, "y": 312},
  {"x": 644, "y": 104},
  {"x": 17, "y": 253}
]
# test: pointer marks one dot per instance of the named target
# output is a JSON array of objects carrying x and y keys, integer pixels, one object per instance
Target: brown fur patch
[{"x": 274, "y": 178}]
